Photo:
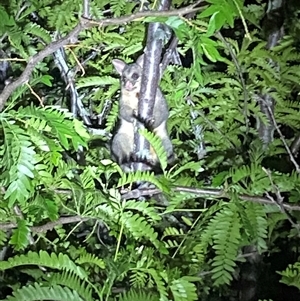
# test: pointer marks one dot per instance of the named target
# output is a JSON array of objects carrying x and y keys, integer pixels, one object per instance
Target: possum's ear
[
  {"x": 140, "y": 60},
  {"x": 119, "y": 65}
]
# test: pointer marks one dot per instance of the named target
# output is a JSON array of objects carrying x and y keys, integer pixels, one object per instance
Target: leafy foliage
[
  {"x": 291, "y": 275},
  {"x": 43, "y": 293},
  {"x": 65, "y": 223}
]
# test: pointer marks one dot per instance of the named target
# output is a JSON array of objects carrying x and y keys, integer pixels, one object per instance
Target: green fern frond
[
  {"x": 183, "y": 290},
  {"x": 141, "y": 176},
  {"x": 36, "y": 274},
  {"x": 156, "y": 143},
  {"x": 38, "y": 31},
  {"x": 132, "y": 49},
  {"x": 138, "y": 227},
  {"x": 138, "y": 278},
  {"x": 56, "y": 122},
  {"x": 118, "y": 6},
  {"x": 287, "y": 182},
  {"x": 255, "y": 224},
  {"x": 7, "y": 20},
  {"x": 20, "y": 236},
  {"x": 240, "y": 173},
  {"x": 251, "y": 176},
  {"x": 226, "y": 241},
  {"x": 291, "y": 275},
  {"x": 136, "y": 295},
  {"x": 3, "y": 237},
  {"x": 65, "y": 127},
  {"x": 61, "y": 262},
  {"x": 112, "y": 117},
  {"x": 197, "y": 167},
  {"x": 143, "y": 207},
  {"x": 90, "y": 259},
  {"x": 73, "y": 282},
  {"x": 61, "y": 22},
  {"x": 19, "y": 161},
  {"x": 61, "y": 169},
  {"x": 160, "y": 283},
  {"x": 171, "y": 231},
  {"x": 87, "y": 179},
  {"x": 92, "y": 81},
  {"x": 105, "y": 212},
  {"x": 206, "y": 237},
  {"x": 171, "y": 244},
  {"x": 39, "y": 292}
]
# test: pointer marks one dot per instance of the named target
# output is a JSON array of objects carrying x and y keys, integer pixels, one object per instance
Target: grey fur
[{"x": 123, "y": 141}]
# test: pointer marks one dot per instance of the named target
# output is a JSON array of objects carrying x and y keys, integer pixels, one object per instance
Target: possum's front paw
[{"x": 147, "y": 122}]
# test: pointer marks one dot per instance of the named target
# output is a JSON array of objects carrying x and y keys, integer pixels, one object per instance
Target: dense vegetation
[{"x": 222, "y": 223}]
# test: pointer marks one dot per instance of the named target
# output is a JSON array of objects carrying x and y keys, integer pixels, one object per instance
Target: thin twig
[
  {"x": 292, "y": 158},
  {"x": 35, "y": 94},
  {"x": 47, "y": 226}
]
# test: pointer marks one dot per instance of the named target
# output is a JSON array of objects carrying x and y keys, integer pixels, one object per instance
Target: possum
[{"x": 123, "y": 140}]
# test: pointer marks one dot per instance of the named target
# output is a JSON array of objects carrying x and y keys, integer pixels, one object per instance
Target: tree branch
[
  {"x": 47, "y": 226},
  {"x": 150, "y": 78},
  {"x": 206, "y": 192},
  {"x": 137, "y": 193}
]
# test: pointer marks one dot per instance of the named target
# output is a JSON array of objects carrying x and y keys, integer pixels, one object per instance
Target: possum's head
[{"x": 131, "y": 74}]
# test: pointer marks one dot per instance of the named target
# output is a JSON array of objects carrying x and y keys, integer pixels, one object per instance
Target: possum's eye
[{"x": 135, "y": 76}]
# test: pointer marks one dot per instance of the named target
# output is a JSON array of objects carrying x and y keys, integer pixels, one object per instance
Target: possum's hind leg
[{"x": 122, "y": 147}]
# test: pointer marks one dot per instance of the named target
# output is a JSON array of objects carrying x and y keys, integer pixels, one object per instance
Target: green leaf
[
  {"x": 40, "y": 292},
  {"x": 20, "y": 236},
  {"x": 61, "y": 262},
  {"x": 212, "y": 25},
  {"x": 174, "y": 22},
  {"x": 92, "y": 81}
]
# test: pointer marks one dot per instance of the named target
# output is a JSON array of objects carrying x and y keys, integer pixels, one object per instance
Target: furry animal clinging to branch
[{"x": 123, "y": 141}]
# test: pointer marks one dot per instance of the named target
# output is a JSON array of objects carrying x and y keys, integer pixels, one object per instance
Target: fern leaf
[
  {"x": 160, "y": 284},
  {"x": 134, "y": 295},
  {"x": 112, "y": 117},
  {"x": 73, "y": 282},
  {"x": 58, "y": 122},
  {"x": 20, "y": 237},
  {"x": 255, "y": 223},
  {"x": 140, "y": 176},
  {"x": 291, "y": 275},
  {"x": 96, "y": 81},
  {"x": 61, "y": 262},
  {"x": 139, "y": 227},
  {"x": 132, "y": 49},
  {"x": 171, "y": 231},
  {"x": 38, "y": 31},
  {"x": 144, "y": 208},
  {"x": 183, "y": 290},
  {"x": 226, "y": 239},
  {"x": 38, "y": 292},
  {"x": 19, "y": 159},
  {"x": 91, "y": 259},
  {"x": 156, "y": 143}
]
